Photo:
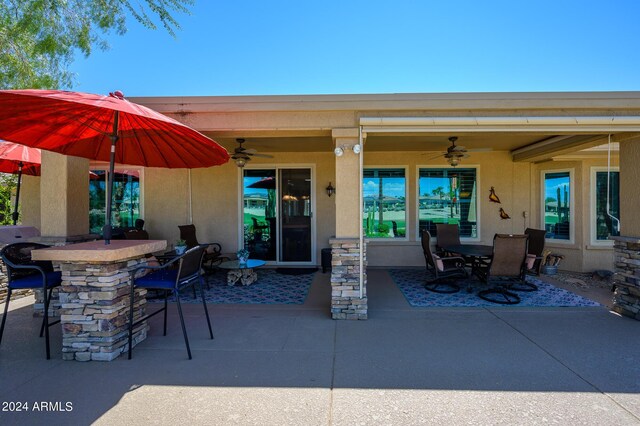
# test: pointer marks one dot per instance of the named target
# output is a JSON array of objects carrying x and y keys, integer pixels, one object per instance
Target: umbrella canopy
[
  {"x": 106, "y": 128},
  {"x": 19, "y": 159},
  {"x": 264, "y": 183},
  {"x": 13, "y": 154}
]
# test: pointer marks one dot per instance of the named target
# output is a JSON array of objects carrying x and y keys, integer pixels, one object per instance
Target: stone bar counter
[{"x": 95, "y": 293}]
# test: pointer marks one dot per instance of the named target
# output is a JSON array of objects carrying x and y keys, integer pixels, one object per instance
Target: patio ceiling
[{"x": 524, "y": 146}]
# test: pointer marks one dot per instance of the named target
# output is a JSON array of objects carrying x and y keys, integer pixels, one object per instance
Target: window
[
  {"x": 602, "y": 224},
  {"x": 448, "y": 196},
  {"x": 384, "y": 192},
  {"x": 126, "y": 198},
  {"x": 557, "y": 204}
]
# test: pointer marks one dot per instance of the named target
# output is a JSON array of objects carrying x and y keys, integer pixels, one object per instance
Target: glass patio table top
[{"x": 242, "y": 272}]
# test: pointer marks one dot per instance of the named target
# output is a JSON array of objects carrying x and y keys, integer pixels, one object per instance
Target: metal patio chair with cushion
[
  {"x": 443, "y": 268},
  {"x": 171, "y": 280},
  {"x": 536, "y": 248},
  {"x": 446, "y": 235},
  {"x": 24, "y": 273},
  {"x": 213, "y": 255},
  {"x": 506, "y": 269}
]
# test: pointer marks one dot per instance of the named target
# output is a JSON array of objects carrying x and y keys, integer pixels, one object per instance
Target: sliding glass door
[{"x": 277, "y": 212}]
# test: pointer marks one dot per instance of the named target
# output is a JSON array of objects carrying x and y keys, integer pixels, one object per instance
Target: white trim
[
  {"x": 572, "y": 197},
  {"x": 501, "y": 124},
  {"x": 592, "y": 208},
  {"x": 406, "y": 206},
  {"x": 314, "y": 195},
  {"x": 478, "y": 236}
]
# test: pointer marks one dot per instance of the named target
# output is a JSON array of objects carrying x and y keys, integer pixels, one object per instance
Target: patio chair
[
  {"x": 443, "y": 268},
  {"x": 24, "y": 273},
  {"x": 446, "y": 235},
  {"x": 136, "y": 234},
  {"x": 536, "y": 248},
  {"x": 170, "y": 280},
  {"x": 213, "y": 255},
  {"x": 506, "y": 268}
]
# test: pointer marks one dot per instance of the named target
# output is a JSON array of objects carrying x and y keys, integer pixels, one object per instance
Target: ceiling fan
[
  {"x": 455, "y": 153},
  {"x": 242, "y": 155}
]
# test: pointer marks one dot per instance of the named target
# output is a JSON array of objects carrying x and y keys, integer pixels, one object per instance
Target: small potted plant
[
  {"x": 181, "y": 246},
  {"x": 243, "y": 255}
]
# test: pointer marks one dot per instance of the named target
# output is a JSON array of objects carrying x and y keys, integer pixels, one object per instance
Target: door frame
[{"x": 277, "y": 167}]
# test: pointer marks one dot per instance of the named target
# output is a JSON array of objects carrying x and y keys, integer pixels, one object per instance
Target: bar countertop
[{"x": 98, "y": 252}]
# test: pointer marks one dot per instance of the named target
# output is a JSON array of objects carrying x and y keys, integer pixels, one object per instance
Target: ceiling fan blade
[
  {"x": 262, "y": 155},
  {"x": 479, "y": 150},
  {"x": 249, "y": 150},
  {"x": 433, "y": 157}
]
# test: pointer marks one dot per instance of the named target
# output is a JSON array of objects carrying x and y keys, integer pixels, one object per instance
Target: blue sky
[{"x": 347, "y": 46}]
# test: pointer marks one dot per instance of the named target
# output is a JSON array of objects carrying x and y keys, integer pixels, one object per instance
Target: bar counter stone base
[{"x": 95, "y": 310}]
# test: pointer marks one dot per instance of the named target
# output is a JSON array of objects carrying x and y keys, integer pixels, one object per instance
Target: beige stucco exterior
[{"x": 521, "y": 136}]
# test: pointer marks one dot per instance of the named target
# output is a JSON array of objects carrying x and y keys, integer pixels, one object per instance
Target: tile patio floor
[{"x": 293, "y": 365}]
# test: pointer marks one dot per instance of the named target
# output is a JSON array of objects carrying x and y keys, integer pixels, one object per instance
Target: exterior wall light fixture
[
  {"x": 330, "y": 190},
  {"x": 339, "y": 151}
]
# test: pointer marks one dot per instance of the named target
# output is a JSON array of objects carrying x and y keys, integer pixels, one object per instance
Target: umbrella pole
[
  {"x": 107, "y": 230},
  {"x": 15, "y": 211}
]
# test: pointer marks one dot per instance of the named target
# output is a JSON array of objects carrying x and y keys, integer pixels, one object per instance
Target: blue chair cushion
[
  {"x": 54, "y": 279},
  {"x": 163, "y": 278}
]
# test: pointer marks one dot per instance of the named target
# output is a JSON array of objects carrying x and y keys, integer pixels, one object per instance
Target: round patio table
[{"x": 242, "y": 272}]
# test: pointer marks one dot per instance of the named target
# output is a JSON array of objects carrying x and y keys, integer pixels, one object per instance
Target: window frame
[
  {"x": 592, "y": 206},
  {"x": 406, "y": 202},
  {"x": 478, "y": 236},
  {"x": 572, "y": 201},
  {"x": 140, "y": 169}
]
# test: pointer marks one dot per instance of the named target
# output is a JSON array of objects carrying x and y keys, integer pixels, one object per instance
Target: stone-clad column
[
  {"x": 626, "y": 299},
  {"x": 346, "y": 300}
]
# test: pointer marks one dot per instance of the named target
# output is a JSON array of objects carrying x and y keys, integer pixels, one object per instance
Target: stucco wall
[
  {"x": 215, "y": 201},
  {"x": 30, "y": 201}
]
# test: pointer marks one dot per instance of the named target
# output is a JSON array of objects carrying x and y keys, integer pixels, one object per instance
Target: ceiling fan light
[{"x": 240, "y": 162}]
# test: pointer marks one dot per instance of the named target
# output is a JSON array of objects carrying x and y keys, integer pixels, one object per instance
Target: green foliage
[
  {"x": 8, "y": 184},
  {"x": 39, "y": 38},
  {"x": 383, "y": 228}
]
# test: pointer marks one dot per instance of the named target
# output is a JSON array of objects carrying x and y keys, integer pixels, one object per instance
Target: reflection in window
[
  {"x": 448, "y": 196},
  {"x": 126, "y": 198},
  {"x": 605, "y": 225},
  {"x": 259, "y": 208},
  {"x": 384, "y": 203},
  {"x": 557, "y": 202}
]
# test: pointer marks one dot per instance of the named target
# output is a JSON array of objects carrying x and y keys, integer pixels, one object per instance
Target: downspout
[
  {"x": 608, "y": 179},
  {"x": 361, "y": 233}
]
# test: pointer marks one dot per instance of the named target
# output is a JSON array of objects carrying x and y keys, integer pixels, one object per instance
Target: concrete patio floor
[{"x": 286, "y": 364}]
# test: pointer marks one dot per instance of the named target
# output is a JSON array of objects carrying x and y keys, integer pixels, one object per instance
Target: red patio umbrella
[
  {"x": 107, "y": 128},
  {"x": 19, "y": 159}
]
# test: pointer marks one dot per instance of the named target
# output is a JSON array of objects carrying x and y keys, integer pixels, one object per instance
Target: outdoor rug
[
  {"x": 411, "y": 284},
  {"x": 271, "y": 288}
]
